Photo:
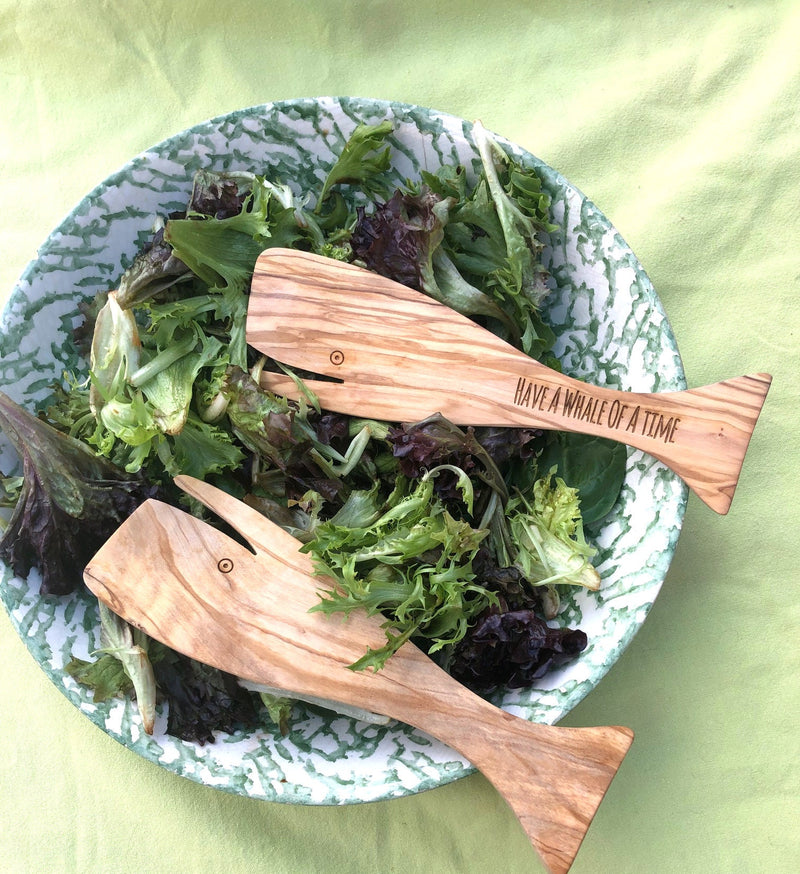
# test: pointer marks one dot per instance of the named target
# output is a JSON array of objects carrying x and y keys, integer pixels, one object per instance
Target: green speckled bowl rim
[{"x": 612, "y": 330}]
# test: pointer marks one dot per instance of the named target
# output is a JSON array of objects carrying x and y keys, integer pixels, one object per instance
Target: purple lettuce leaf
[{"x": 70, "y": 503}]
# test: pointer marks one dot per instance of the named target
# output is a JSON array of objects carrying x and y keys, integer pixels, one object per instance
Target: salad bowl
[{"x": 610, "y": 328}]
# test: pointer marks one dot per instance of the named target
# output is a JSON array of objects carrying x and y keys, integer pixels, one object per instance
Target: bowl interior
[{"x": 611, "y": 329}]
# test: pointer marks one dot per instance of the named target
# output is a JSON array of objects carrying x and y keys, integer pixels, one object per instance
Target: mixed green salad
[{"x": 465, "y": 540}]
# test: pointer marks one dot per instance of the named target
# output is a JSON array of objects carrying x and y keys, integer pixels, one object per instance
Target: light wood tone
[
  {"x": 402, "y": 356},
  {"x": 246, "y": 612}
]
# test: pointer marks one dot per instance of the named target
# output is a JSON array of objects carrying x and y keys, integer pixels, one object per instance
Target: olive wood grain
[
  {"x": 399, "y": 355},
  {"x": 246, "y": 611}
]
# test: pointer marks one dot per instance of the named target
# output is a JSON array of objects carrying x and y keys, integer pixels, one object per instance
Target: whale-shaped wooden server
[
  {"x": 246, "y": 611},
  {"x": 399, "y": 355}
]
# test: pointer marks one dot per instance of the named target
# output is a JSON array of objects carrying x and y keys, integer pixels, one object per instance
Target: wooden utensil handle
[
  {"x": 398, "y": 354},
  {"x": 579, "y": 769},
  {"x": 210, "y": 597},
  {"x": 554, "y": 789},
  {"x": 701, "y": 434},
  {"x": 552, "y": 778}
]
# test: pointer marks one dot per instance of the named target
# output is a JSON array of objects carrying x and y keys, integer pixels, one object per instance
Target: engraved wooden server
[
  {"x": 246, "y": 611},
  {"x": 401, "y": 356}
]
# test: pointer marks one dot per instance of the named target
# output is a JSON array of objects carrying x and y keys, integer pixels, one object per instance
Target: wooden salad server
[
  {"x": 246, "y": 611},
  {"x": 401, "y": 356}
]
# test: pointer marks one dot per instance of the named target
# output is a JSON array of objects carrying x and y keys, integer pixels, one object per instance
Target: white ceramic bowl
[{"x": 611, "y": 330}]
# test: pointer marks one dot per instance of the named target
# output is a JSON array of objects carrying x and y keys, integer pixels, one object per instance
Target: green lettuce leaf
[
  {"x": 201, "y": 450},
  {"x": 105, "y": 676},
  {"x": 154, "y": 270},
  {"x": 592, "y": 465},
  {"x": 222, "y": 252},
  {"x": 401, "y": 239},
  {"x": 130, "y": 647},
  {"x": 360, "y": 161},
  {"x": 170, "y": 391},
  {"x": 413, "y": 564},
  {"x": 547, "y": 532},
  {"x": 115, "y": 352}
]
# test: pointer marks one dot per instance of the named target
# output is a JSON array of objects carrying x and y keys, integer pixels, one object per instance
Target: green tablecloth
[{"x": 680, "y": 120}]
